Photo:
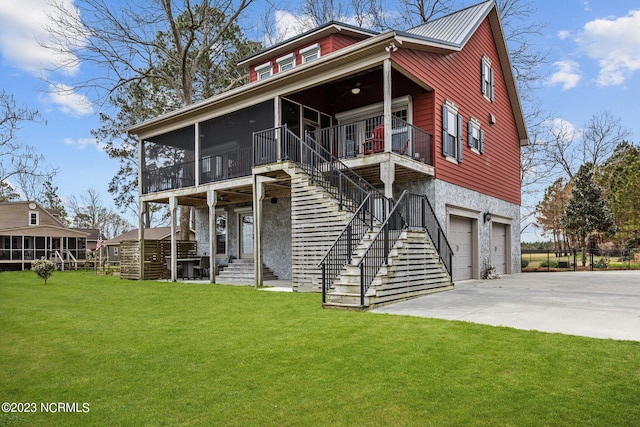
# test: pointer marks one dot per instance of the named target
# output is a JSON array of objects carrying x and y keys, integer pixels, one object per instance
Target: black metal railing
[
  {"x": 225, "y": 165},
  {"x": 367, "y": 136},
  {"x": 171, "y": 177},
  {"x": 411, "y": 211}
]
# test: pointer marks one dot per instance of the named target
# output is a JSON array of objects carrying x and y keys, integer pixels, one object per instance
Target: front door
[{"x": 246, "y": 235}]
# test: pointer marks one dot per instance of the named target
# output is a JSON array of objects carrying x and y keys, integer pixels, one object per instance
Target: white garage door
[
  {"x": 461, "y": 242},
  {"x": 499, "y": 247}
]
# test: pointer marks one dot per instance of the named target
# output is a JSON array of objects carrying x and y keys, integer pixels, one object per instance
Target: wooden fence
[{"x": 155, "y": 253}]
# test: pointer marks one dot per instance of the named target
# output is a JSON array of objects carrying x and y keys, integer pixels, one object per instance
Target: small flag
[{"x": 99, "y": 245}]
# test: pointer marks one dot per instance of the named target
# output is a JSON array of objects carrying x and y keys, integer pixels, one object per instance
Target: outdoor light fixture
[{"x": 487, "y": 217}]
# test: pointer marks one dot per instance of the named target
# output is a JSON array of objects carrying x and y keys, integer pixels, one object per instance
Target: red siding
[
  {"x": 457, "y": 77},
  {"x": 328, "y": 44}
]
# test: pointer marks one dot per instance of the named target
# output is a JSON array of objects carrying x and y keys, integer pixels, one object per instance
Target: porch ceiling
[{"x": 230, "y": 192}]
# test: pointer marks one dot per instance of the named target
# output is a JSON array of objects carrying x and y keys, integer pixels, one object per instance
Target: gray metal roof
[{"x": 456, "y": 28}]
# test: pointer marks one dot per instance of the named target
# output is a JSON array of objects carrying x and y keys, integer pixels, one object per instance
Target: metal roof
[{"x": 456, "y": 28}]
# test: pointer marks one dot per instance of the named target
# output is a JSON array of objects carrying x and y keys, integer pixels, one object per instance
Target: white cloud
[
  {"x": 568, "y": 75},
  {"x": 563, "y": 34},
  {"x": 22, "y": 26},
  {"x": 81, "y": 143},
  {"x": 68, "y": 101},
  {"x": 615, "y": 44},
  {"x": 288, "y": 25}
]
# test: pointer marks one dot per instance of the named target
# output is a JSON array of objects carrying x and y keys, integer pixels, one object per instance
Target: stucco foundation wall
[
  {"x": 276, "y": 236},
  {"x": 447, "y": 198}
]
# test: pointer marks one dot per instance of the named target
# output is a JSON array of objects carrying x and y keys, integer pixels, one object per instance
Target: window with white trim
[
  {"x": 310, "y": 53},
  {"x": 451, "y": 132},
  {"x": 475, "y": 135},
  {"x": 264, "y": 71},
  {"x": 286, "y": 62},
  {"x": 488, "y": 86},
  {"x": 33, "y": 218}
]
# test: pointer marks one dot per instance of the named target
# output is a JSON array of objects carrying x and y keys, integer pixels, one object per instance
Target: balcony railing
[
  {"x": 169, "y": 178},
  {"x": 225, "y": 165},
  {"x": 367, "y": 137}
]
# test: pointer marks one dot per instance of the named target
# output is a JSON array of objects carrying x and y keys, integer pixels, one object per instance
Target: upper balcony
[{"x": 359, "y": 144}]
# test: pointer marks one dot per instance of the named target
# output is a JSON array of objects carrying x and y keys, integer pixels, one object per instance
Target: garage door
[
  {"x": 499, "y": 247},
  {"x": 461, "y": 241}
]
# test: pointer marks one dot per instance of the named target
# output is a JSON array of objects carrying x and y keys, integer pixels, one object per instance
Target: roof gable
[
  {"x": 454, "y": 29},
  {"x": 16, "y": 215}
]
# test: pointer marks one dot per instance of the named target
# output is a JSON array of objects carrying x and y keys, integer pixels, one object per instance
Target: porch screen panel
[
  {"x": 169, "y": 160},
  {"x": 226, "y": 141}
]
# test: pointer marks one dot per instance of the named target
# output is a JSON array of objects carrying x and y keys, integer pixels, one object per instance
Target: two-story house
[{"x": 369, "y": 166}]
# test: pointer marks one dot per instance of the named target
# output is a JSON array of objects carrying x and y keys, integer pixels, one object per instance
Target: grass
[
  {"x": 150, "y": 353},
  {"x": 539, "y": 260}
]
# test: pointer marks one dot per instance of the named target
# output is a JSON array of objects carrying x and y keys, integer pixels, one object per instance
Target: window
[
  {"x": 286, "y": 62},
  {"x": 475, "y": 135},
  {"x": 310, "y": 53},
  {"x": 221, "y": 233},
  {"x": 33, "y": 218},
  {"x": 487, "y": 78},
  {"x": 264, "y": 71},
  {"x": 451, "y": 132}
]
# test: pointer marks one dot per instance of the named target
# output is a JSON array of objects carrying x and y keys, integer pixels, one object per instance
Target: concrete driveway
[{"x": 603, "y": 304}]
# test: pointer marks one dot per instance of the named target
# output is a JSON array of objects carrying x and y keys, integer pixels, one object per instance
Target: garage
[
  {"x": 499, "y": 247},
  {"x": 461, "y": 240}
]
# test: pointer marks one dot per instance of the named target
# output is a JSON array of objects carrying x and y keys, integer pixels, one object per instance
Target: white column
[
  {"x": 386, "y": 78},
  {"x": 197, "y": 152},
  {"x": 212, "y": 200},
  {"x": 173, "y": 207},
  {"x": 258, "y": 197},
  {"x": 387, "y": 176}
]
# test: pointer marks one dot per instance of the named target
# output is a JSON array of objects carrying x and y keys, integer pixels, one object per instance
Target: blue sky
[{"x": 594, "y": 65}]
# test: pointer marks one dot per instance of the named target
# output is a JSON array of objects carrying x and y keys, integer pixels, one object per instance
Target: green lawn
[{"x": 149, "y": 353}]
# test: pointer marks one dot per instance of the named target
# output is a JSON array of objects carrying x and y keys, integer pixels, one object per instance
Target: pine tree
[{"x": 586, "y": 212}]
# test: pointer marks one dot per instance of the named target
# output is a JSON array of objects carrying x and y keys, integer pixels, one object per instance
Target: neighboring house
[
  {"x": 29, "y": 232},
  {"x": 332, "y": 124},
  {"x": 112, "y": 246}
]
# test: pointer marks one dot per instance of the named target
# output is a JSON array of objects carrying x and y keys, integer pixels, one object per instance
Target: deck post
[
  {"x": 258, "y": 197},
  {"x": 173, "y": 207},
  {"x": 387, "y": 105},
  {"x": 212, "y": 200}
]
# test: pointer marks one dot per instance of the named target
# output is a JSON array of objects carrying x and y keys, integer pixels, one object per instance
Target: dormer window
[
  {"x": 286, "y": 62},
  {"x": 310, "y": 53},
  {"x": 264, "y": 71}
]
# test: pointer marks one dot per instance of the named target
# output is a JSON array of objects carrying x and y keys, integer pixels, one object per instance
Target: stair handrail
[
  {"x": 410, "y": 211},
  {"x": 373, "y": 208},
  {"x": 341, "y": 251}
]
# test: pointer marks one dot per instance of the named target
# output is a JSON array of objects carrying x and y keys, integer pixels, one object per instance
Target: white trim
[
  {"x": 307, "y": 51},
  {"x": 37, "y": 218},
  {"x": 377, "y": 109},
  {"x": 290, "y": 58},
  {"x": 260, "y": 69}
]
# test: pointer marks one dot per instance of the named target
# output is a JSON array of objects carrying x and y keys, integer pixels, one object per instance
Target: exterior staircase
[
  {"x": 316, "y": 221},
  {"x": 242, "y": 271},
  {"x": 413, "y": 269},
  {"x": 349, "y": 241}
]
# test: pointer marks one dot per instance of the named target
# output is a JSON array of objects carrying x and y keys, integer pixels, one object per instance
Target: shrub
[
  {"x": 43, "y": 268},
  {"x": 550, "y": 264},
  {"x": 524, "y": 263}
]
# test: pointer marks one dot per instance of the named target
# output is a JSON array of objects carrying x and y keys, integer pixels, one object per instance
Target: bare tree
[
  {"x": 88, "y": 211},
  {"x": 602, "y": 134},
  {"x": 178, "y": 47},
  {"x": 19, "y": 163}
]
